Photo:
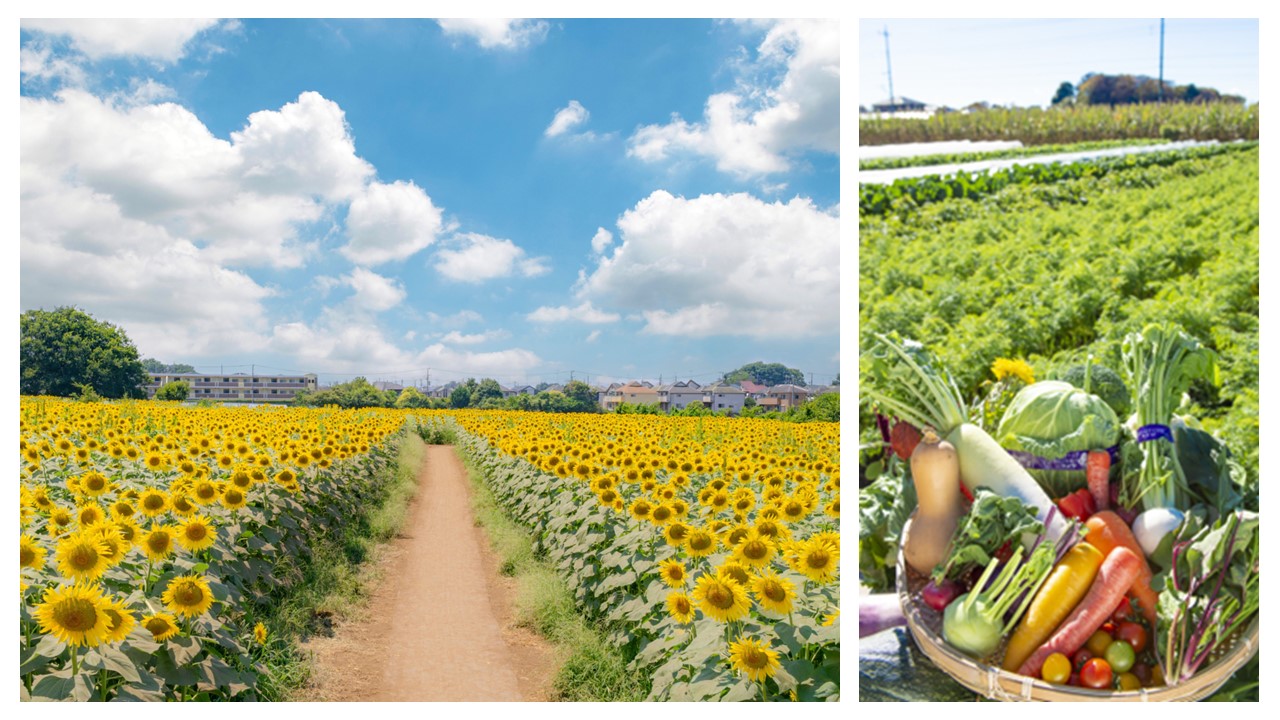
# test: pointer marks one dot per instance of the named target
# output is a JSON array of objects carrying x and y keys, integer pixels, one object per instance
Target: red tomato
[
  {"x": 1082, "y": 656},
  {"x": 1122, "y": 611},
  {"x": 1078, "y": 505},
  {"x": 1096, "y": 674},
  {"x": 1132, "y": 633}
]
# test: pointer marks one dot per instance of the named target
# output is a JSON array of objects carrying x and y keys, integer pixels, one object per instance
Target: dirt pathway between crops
[{"x": 439, "y": 624}]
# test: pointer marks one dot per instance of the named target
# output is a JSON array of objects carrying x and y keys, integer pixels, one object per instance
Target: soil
[{"x": 439, "y": 623}]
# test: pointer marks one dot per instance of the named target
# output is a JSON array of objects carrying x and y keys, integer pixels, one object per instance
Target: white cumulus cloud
[
  {"x": 372, "y": 291},
  {"x": 601, "y": 240},
  {"x": 390, "y": 222},
  {"x": 477, "y": 258},
  {"x": 567, "y": 118},
  {"x": 159, "y": 39},
  {"x": 583, "y": 312},
  {"x": 722, "y": 265},
  {"x": 501, "y": 33},
  {"x": 752, "y": 130}
]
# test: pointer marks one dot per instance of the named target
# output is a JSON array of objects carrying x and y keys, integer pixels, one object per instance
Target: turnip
[{"x": 975, "y": 622}]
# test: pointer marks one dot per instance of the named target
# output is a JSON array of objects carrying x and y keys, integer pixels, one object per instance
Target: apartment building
[{"x": 237, "y": 386}]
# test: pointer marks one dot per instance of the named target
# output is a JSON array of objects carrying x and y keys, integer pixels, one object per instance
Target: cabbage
[{"x": 1052, "y": 425}]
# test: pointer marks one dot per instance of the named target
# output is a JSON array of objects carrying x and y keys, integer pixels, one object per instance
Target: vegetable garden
[{"x": 1059, "y": 380}]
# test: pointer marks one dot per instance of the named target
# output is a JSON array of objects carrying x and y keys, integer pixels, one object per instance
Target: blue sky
[
  {"x": 397, "y": 198},
  {"x": 1022, "y": 61}
]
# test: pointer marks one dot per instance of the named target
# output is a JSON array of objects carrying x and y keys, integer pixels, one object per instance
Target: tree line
[{"x": 1124, "y": 89}]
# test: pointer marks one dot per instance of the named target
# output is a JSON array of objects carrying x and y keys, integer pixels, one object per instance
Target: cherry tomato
[
  {"x": 1120, "y": 656},
  {"x": 1128, "y": 681},
  {"x": 1143, "y": 672},
  {"x": 1078, "y": 505},
  {"x": 1098, "y": 642},
  {"x": 1121, "y": 613},
  {"x": 1132, "y": 633},
  {"x": 1157, "y": 676},
  {"x": 1096, "y": 674},
  {"x": 1056, "y": 669},
  {"x": 1074, "y": 680},
  {"x": 1081, "y": 657}
]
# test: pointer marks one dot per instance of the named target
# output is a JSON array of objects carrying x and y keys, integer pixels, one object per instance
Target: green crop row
[
  {"x": 906, "y": 194},
  {"x": 1035, "y": 126},
  {"x": 1055, "y": 273}
]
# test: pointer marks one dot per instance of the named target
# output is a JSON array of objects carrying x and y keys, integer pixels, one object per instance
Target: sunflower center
[
  {"x": 772, "y": 589},
  {"x": 188, "y": 594},
  {"x": 196, "y": 532},
  {"x": 700, "y": 541},
  {"x": 95, "y": 483},
  {"x": 82, "y": 557},
  {"x": 753, "y": 658},
  {"x": 113, "y": 618},
  {"x": 755, "y": 550},
  {"x": 720, "y": 596},
  {"x": 661, "y": 513},
  {"x": 818, "y": 558},
  {"x": 156, "y": 626},
  {"x": 158, "y": 541},
  {"x": 679, "y": 532},
  {"x": 682, "y": 605},
  {"x": 28, "y": 556},
  {"x": 153, "y": 502},
  {"x": 76, "y": 614}
]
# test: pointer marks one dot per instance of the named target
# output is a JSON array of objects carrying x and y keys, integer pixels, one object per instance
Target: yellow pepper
[{"x": 1067, "y": 584}]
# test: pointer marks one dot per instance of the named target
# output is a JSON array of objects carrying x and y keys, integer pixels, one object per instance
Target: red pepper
[{"x": 1078, "y": 505}]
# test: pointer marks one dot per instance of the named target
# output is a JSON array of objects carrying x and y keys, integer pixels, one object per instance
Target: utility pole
[
  {"x": 1161, "y": 89},
  {"x": 887, "y": 64}
]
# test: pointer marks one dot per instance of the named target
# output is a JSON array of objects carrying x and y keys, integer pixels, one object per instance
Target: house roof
[
  {"x": 753, "y": 387},
  {"x": 787, "y": 388}
]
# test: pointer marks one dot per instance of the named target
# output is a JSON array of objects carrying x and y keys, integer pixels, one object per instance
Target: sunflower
[
  {"x": 188, "y": 595},
  {"x": 641, "y": 508},
  {"x": 122, "y": 509},
  {"x": 82, "y": 557},
  {"x": 153, "y": 502},
  {"x": 260, "y": 634},
  {"x": 90, "y": 514},
  {"x": 680, "y": 607},
  {"x": 700, "y": 543},
  {"x": 74, "y": 614},
  {"x": 817, "y": 560},
  {"x": 120, "y": 621},
  {"x": 754, "y": 658},
  {"x": 733, "y": 570},
  {"x": 673, "y": 573},
  {"x": 241, "y": 479},
  {"x": 204, "y": 492},
  {"x": 722, "y": 599},
  {"x": 94, "y": 483},
  {"x": 773, "y": 592},
  {"x": 285, "y": 477},
  {"x": 32, "y": 553},
  {"x": 60, "y": 520},
  {"x": 233, "y": 498},
  {"x": 754, "y": 550},
  {"x": 162, "y": 626},
  {"x": 181, "y": 504},
  {"x": 113, "y": 544},
  {"x": 196, "y": 533},
  {"x": 157, "y": 543},
  {"x": 676, "y": 533}
]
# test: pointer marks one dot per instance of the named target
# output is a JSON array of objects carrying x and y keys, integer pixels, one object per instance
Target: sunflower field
[
  {"x": 154, "y": 538},
  {"x": 709, "y": 547}
]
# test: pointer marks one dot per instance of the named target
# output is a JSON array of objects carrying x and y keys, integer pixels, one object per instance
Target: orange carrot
[
  {"x": 1113, "y": 578},
  {"x": 1107, "y": 531},
  {"x": 1097, "y": 471}
]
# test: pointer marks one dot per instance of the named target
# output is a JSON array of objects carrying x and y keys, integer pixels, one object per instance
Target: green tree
[
  {"x": 354, "y": 394},
  {"x": 412, "y": 397},
  {"x": 488, "y": 389},
  {"x": 153, "y": 365},
  {"x": 461, "y": 395},
  {"x": 65, "y": 348},
  {"x": 581, "y": 397},
  {"x": 766, "y": 374},
  {"x": 174, "y": 390},
  {"x": 1066, "y": 92}
]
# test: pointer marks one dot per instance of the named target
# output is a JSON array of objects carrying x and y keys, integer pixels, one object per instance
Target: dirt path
[{"x": 438, "y": 625}]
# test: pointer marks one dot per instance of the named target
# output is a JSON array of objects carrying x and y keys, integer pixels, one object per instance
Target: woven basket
[{"x": 999, "y": 684}]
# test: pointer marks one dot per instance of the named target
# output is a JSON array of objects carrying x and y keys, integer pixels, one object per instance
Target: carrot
[
  {"x": 1097, "y": 471},
  {"x": 1068, "y": 582},
  {"x": 1108, "y": 530},
  {"x": 1114, "y": 578}
]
